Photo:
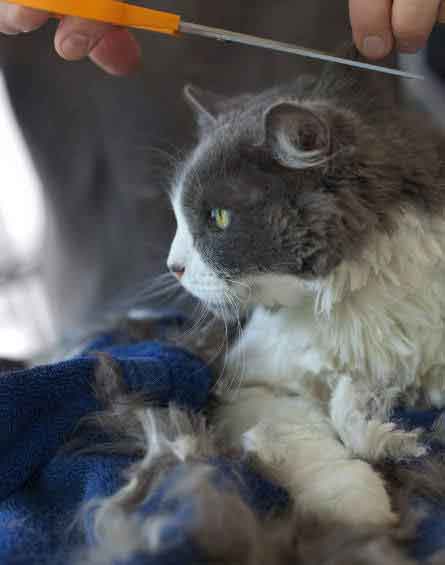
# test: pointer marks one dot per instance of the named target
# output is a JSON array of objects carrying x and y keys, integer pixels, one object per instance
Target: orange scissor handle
[{"x": 110, "y": 11}]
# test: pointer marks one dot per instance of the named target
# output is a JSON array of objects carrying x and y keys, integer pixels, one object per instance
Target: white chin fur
[
  {"x": 275, "y": 291},
  {"x": 198, "y": 278}
]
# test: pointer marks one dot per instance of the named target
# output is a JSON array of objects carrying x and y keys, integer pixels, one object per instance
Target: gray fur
[{"x": 309, "y": 170}]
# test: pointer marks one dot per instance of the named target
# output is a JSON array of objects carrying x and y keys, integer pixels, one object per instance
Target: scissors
[{"x": 128, "y": 15}]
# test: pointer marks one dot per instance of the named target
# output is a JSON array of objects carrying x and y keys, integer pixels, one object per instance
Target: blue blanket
[{"x": 43, "y": 488}]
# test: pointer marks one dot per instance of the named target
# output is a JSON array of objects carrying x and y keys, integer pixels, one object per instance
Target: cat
[{"x": 316, "y": 210}]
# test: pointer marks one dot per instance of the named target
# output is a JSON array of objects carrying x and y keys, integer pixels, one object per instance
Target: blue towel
[{"x": 43, "y": 488}]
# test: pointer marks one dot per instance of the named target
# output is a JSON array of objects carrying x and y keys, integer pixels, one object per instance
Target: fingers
[
  {"x": 113, "y": 49},
  {"x": 118, "y": 53},
  {"x": 75, "y": 38},
  {"x": 371, "y": 25},
  {"x": 378, "y": 25},
  {"x": 412, "y": 22},
  {"x": 18, "y": 19}
]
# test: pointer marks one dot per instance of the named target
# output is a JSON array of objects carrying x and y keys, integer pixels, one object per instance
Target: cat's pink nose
[{"x": 177, "y": 270}]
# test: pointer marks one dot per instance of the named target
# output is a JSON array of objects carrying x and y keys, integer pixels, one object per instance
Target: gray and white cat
[{"x": 319, "y": 207}]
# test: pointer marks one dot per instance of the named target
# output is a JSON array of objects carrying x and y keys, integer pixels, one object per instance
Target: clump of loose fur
[{"x": 166, "y": 437}]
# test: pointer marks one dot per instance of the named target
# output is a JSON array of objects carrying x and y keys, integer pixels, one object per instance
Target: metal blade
[{"x": 233, "y": 37}]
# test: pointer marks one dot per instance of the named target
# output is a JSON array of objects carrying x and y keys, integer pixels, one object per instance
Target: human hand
[
  {"x": 380, "y": 25},
  {"x": 113, "y": 49}
]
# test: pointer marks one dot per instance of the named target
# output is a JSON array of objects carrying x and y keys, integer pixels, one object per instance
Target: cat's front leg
[
  {"x": 294, "y": 444},
  {"x": 359, "y": 416}
]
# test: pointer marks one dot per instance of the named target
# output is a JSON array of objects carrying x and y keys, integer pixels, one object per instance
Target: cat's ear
[
  {"x": 205, "y": 105},
  {"x": 295, "y": 136}
]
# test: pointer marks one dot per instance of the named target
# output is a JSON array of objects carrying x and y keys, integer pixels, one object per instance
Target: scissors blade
[{"x": 233, "y": 37}]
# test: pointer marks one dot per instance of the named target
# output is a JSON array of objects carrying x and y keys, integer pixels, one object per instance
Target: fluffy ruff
[{"x": 162, "y": 438}]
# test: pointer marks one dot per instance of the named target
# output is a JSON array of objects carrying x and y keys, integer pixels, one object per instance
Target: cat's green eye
[{"x": 220, "y": 218}]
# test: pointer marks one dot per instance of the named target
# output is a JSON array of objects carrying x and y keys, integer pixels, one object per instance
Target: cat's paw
[
  {"x": 375, "y": 441},
  {"x": 365, "y": 434},
  {"x": 387, "y": 441}
]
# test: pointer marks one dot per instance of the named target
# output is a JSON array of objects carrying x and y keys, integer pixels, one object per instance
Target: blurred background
[{"x": 25, "y": 320}]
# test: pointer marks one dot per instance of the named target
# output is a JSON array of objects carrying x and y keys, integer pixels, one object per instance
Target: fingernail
[
  {"x": 374, "y": 47},
  {"x": 28, "y": 29},
  {"x": 409, "y": 48},
  {"x": 76, "y": 46},
  {"x": 118, "y": 53}
]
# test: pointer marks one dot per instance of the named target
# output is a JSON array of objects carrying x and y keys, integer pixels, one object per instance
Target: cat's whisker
[
  {"x": 158, "y": 282},
  {"x": 225, "y": 384},
  {"x": 233, "y": 304},
  {"x": 245, "y": 286},
  {"x": 229, "y": 307},
  {"x": 217, "y": 312},
  {"x": 219, "y": 350},
  {"x": 155, "y": 293},
  {"x": 242, "y": 364},
  {"x": 159, "y": 288},
  {"x": 170, "y": 157},
  {"x": 162, "y": 295},
  {"x": 198, "y": 316},
  {"x": 223, "y": 274},
  {"x": 166, "y": 280},
  {"x": 220, "y": 378}
]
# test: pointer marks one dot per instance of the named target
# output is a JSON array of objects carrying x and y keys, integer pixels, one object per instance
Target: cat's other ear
[
  {"x": 295, "y": 136},
  {"x": 205, "y": 105}
]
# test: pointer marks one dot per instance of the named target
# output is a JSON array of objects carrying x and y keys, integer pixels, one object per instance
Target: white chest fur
[
  {"x": 278, "y": 348},
  {"x": 381, "y": 318}
]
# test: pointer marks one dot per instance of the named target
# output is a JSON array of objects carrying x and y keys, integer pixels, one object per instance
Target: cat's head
[{"x": 279, "y": 190}]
